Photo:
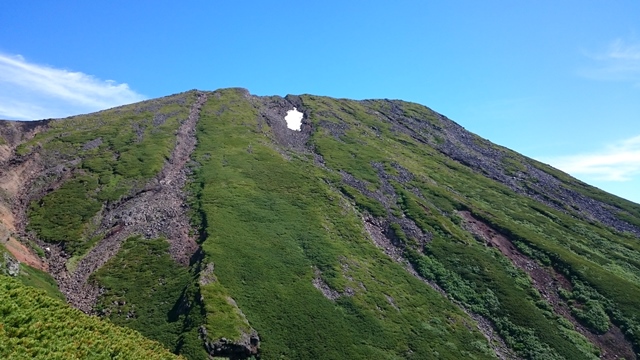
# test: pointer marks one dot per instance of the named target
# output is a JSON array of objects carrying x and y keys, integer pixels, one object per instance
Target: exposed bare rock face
[
  {"x": 16, "y": 177},
  {"x": 244, "y": 348},
  {"x": 159, "y": 210},
  {"x": 272, "y": 114}
]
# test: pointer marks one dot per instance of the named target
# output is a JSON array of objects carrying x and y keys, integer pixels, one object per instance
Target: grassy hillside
[
  {"x": 382, "y": 230},
  {"x": 147, "y": 291},
  {"x": 590, "y": 254},
  {"x": 273, "y": 224},
  {"x": 36, "y": 326},
  {"x": 109, "y": 155}
]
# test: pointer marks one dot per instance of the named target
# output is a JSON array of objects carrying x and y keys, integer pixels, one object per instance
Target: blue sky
[{"x": 558, "y": 81}]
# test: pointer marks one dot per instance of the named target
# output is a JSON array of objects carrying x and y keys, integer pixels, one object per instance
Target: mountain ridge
[{"x": 396, "y": 181}]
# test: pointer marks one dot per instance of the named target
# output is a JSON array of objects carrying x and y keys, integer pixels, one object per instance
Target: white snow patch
[{"x": 294, "y": 119}]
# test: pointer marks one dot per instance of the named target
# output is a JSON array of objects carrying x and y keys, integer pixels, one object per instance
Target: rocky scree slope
[{"x": 381, "y": 229}]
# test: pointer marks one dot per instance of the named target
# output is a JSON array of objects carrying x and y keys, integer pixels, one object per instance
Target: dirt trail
[
  {"x": 158, "y": 210},
  {"x": 547, "y": 281}
]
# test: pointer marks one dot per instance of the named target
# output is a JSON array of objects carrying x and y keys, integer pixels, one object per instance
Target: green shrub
[
  {"x": 143, "y": 288},
  {"x": 36, "y": 326},
  {"x": 364, "y": 203},
  {"x": 60, "y": 216},
  {"x": 273, "y": 227},
  {"x": 593, "y": 316}
]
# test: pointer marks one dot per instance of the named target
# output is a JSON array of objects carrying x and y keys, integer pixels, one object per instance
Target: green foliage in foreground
[
  {"x": 36, "y": 326},
  {"x": 147, "y": 291},
  {"x": 275, "y": 224}
]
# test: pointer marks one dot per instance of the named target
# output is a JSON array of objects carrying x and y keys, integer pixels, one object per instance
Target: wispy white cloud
[
  {"x": 33, "y": 91},
  {"x": 617, "y": 162},
  {"x": 619, "y": 62}
]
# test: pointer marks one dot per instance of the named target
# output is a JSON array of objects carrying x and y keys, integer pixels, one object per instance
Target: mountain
[{"x": 378, "y": 230}]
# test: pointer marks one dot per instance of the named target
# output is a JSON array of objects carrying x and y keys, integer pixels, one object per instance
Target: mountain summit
[{"x": 222, "y": 224}]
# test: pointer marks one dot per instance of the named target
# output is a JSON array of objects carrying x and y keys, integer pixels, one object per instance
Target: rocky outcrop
[
  {"x": 272, "y": 112},
  {"x": 158, "y": 210},
  {"x": 247, "y": 346},
  {"x": 17, "y": 189},
  {"x": 9, "y": 265}
]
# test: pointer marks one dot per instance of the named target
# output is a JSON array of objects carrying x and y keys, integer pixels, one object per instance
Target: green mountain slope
[
  {"x": 381, "y": 229},
  {"x": 276, "y": 226}
]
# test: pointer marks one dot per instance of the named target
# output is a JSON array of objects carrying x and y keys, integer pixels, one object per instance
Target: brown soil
[
  {"x": 5, "y": 152},
  {"x": 18, "y": 182},
  {"x": 159, "y": 210},
  {"x": 6, "y": 218},
  {"x": 24, "y": 254},
  {"x": 547, "y": 281},
  {"x": 14, "y": 178}
]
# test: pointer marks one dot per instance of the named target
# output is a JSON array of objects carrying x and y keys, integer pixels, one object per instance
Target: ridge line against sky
[
  {"x": 616, "y": 162},
  {"x": 556, "y": 81}
]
